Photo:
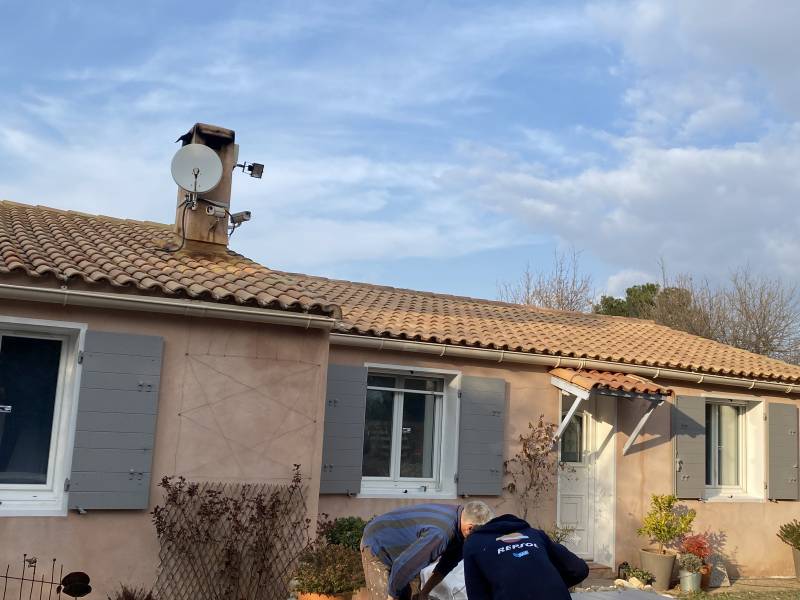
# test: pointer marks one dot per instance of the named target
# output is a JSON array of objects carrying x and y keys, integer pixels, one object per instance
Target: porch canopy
[{"x": 582, "y": 383}]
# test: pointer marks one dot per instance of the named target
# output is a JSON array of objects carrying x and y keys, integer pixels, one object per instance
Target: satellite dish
[{"x": 196, "y": 168}]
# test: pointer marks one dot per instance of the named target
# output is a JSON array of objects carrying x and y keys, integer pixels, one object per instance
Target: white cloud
[{"x": 701, "y": 209}]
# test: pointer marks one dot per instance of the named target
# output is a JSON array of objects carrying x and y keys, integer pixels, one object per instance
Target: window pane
[
  {"x": 386, "y": 381},
  {"x": 728, "y": 445},
  {"x": 28, "y": 382},
  {"x": 378, "y": 434},
  {"x": 572, "y": 440},
  {"x": 709, "y": 444},
  {"x": 416, "y": 453},
  {"x": 426, "y": 385}
]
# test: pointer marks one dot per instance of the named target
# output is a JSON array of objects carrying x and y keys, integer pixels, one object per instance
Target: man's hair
[{"x": 477, "y": 513}]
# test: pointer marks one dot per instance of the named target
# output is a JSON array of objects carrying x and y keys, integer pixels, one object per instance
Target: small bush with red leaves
[{"x": 698, "y": 545}]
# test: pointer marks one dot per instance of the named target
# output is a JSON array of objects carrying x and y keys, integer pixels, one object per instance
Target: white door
[{"x": 576, "y": 478}]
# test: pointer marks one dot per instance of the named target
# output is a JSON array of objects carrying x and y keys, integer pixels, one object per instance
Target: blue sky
[{"x": 430, "y": 145}]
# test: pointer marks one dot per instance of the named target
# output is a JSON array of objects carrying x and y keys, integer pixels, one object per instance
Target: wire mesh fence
[
  {"x": 229, "y": 541},
  {"x": 29, "y": 581}
]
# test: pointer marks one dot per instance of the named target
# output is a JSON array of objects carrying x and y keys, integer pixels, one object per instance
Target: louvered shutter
[
  {"x": 343, "y": 440},
  {"x": 689, "y": 435},
  {"x": 783, "y": 452},
  {"x": 112, "y": 460},
  {"x": 481, "y": 436}
]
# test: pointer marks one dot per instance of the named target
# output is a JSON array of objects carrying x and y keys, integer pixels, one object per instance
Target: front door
[{"x": 576, "y": 478}]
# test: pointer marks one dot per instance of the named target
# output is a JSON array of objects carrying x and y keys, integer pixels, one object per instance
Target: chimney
[{"x": 204, "y": 231}]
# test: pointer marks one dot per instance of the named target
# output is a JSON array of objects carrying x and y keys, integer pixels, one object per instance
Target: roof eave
[
  {"x": 500, "y": 356},
  {"x": 172, "y": 306}
]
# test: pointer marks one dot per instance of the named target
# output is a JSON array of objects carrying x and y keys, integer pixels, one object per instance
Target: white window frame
[
  {"x": 443, "y": 484},
  {"x": 752, "y": 451},
  {"x": 50, "y": 499}
]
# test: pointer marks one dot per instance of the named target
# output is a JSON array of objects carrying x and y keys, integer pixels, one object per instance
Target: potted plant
[
  {"x": 699, "y": 545},
  {"x": 639, "y": 576},
  {"x": 664, "y": 525},
  {"x": 689, "y": 567},
  {"x": 329, "y": 572},
  {"x": 789, "y": 533}
]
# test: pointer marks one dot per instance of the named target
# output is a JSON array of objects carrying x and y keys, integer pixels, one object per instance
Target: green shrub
[
  {"x": 690, "y": 562},
  {"x": 330, "y": 569},
  {"x": 789, "y": 533},
  {"x": 640, "y": 574},
  {"x": 130, "y": 593},
  {"x": 344, "y": 531},
  {"x": 665, "y": 523}
]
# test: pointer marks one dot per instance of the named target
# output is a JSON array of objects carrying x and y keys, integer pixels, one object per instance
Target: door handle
[{"x": 5, "y": 408}]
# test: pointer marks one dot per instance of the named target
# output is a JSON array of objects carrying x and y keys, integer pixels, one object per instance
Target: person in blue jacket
[{"x": 507, "y": 559}]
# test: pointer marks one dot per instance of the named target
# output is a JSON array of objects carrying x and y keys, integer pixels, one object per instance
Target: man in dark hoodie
[{"x": 507, "y": 559}]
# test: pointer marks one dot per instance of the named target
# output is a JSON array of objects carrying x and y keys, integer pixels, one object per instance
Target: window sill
[
  {"x": 55, "y": 507},
  {"x": 414, "y": 495},
  {"x": 371, "y": 490},
  {"x": 730, "y": 498}
]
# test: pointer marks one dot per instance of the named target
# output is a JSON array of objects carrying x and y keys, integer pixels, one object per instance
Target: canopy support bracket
[
  {"x": 640, "y": 425},
  {"x": 568, "y": 417}
]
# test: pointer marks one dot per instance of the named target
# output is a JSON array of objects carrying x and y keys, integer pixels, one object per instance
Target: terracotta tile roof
[
  {"x": 122, "y": 256},
  {"x": 405, "y": 314},
  {"x": 604, "y": 380},
  {"x": 108, "y": 254}
]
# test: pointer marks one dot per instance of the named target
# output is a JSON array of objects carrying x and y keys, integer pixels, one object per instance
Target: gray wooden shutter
[
  {"x": 343, "y": 441},
  {"x": 113, "y": 456},
  {"x": 689, "y": 434},
  {"x": 783, "y": 452},
  {"x": 481, "y": 436}
]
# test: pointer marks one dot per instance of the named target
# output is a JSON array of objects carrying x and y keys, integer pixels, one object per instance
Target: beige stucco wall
[
  {"x": 238, "y": 401},
  {"x": 748, "y": 528}
]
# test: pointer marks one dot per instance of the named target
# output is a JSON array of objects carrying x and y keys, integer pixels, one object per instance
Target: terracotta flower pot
[
  {"x": 313, "y": 596},
  {"x": 659, "y": 565},
  {"x": 705, "y": 576}
]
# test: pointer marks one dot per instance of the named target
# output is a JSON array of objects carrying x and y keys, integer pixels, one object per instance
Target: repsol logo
[{"x": 516, "y": 547}]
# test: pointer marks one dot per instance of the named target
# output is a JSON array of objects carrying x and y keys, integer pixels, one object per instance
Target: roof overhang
[
  {"x": 549, "y": 360},
  {"x": 170, "y": 306},
  {"x": 582, "y": 384},
  {"x": 610, "y": 383}
]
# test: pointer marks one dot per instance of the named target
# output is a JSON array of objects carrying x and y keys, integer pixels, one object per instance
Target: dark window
[
  {"x": 28, "y": 384},
  {"x": 572, "y": 439}
]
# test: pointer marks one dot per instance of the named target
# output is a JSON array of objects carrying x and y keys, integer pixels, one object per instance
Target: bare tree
[
  {"x": 749, "y": 311},
  {"x": 563, "y": 287},
  {"x": 764, "y": 314}
]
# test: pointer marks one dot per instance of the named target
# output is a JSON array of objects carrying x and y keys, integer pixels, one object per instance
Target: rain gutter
[
  {"x": 531, "y": 358},
  {"x": 188, "y": 308}
]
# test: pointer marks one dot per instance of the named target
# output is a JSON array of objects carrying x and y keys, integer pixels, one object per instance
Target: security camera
[
  {"x": 240, "y": 217},
  {"x": 215, "y": 211}
]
